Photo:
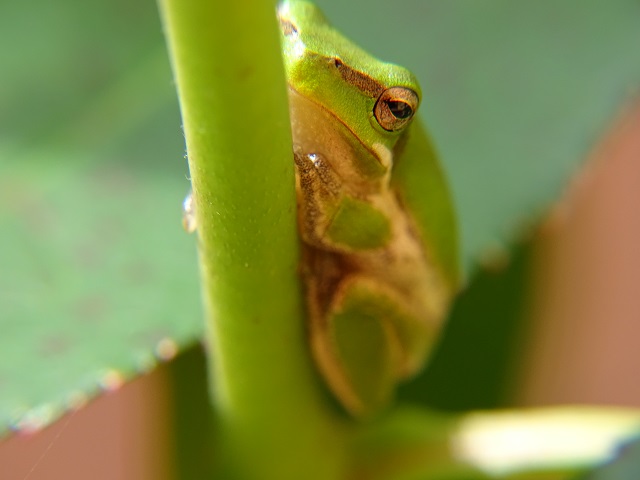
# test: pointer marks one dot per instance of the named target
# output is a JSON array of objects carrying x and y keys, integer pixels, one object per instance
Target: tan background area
[
  {"x": 586, "y": 337},
  {"x": 120, "y": 436}
]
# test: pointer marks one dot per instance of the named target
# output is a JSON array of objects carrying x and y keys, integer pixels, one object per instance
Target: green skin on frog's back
[{"x": 380, "y": 260}]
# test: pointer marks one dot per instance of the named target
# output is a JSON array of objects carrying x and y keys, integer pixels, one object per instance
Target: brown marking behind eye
[{"x": 361, "y": 81}]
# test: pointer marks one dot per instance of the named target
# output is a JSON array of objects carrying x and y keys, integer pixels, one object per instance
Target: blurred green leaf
[{"x": 97, "y": 279}]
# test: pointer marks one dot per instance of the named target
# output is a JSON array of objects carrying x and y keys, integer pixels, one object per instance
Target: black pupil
[{"x": 400, "y": 109}]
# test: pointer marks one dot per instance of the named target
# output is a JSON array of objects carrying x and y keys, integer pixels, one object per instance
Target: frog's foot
[
  {"x": 319, "y": 191},
  {"x": 366, "y": 344}
]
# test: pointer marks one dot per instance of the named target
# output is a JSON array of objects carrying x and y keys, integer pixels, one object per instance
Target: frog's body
[{"x": 375, "y": 292}]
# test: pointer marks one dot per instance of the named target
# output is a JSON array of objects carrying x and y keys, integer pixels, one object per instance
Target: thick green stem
[{"x": 275, "y": 420}]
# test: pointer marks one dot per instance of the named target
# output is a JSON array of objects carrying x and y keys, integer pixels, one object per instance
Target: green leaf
[
  {"x": 97, "y": 280},
  {"x": 86, "y": 304}
]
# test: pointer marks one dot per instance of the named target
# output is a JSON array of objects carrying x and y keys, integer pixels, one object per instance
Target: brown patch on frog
[
  {"x": 316, "y": 182},
  {"x": 361, "y": 81},
  {"x": 323, "y": 271}
]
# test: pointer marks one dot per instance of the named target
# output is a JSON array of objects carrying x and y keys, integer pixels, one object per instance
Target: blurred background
[{"x": 533, "y": 107}]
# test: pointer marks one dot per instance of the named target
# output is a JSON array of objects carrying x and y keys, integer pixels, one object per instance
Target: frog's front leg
[
  {"x": 319, "y": 191},
  {"x": 332, "y": 218},
  {"x": 363, "y": 341},
  {"x": 364, "y": 336}
]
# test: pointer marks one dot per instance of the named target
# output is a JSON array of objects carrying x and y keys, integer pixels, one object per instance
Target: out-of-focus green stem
[{"x": 275, "y": 421}]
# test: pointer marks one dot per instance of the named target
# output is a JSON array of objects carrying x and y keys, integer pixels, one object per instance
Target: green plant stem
[{"x": 274, "y": 418}]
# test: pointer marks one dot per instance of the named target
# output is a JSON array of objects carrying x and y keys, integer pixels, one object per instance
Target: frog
[
  {"x": 378, "y": 279},
  {"x": 376, "y": 222}
]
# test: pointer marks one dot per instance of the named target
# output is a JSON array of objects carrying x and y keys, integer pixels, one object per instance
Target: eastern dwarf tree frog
[{"x": 378, "y": 232}]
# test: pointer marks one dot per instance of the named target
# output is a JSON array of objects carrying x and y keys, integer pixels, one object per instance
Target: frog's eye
[{"x": 395, "y": 108}]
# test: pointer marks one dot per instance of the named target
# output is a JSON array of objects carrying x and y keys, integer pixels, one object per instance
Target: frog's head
[{"x": 375, "y": 100}]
